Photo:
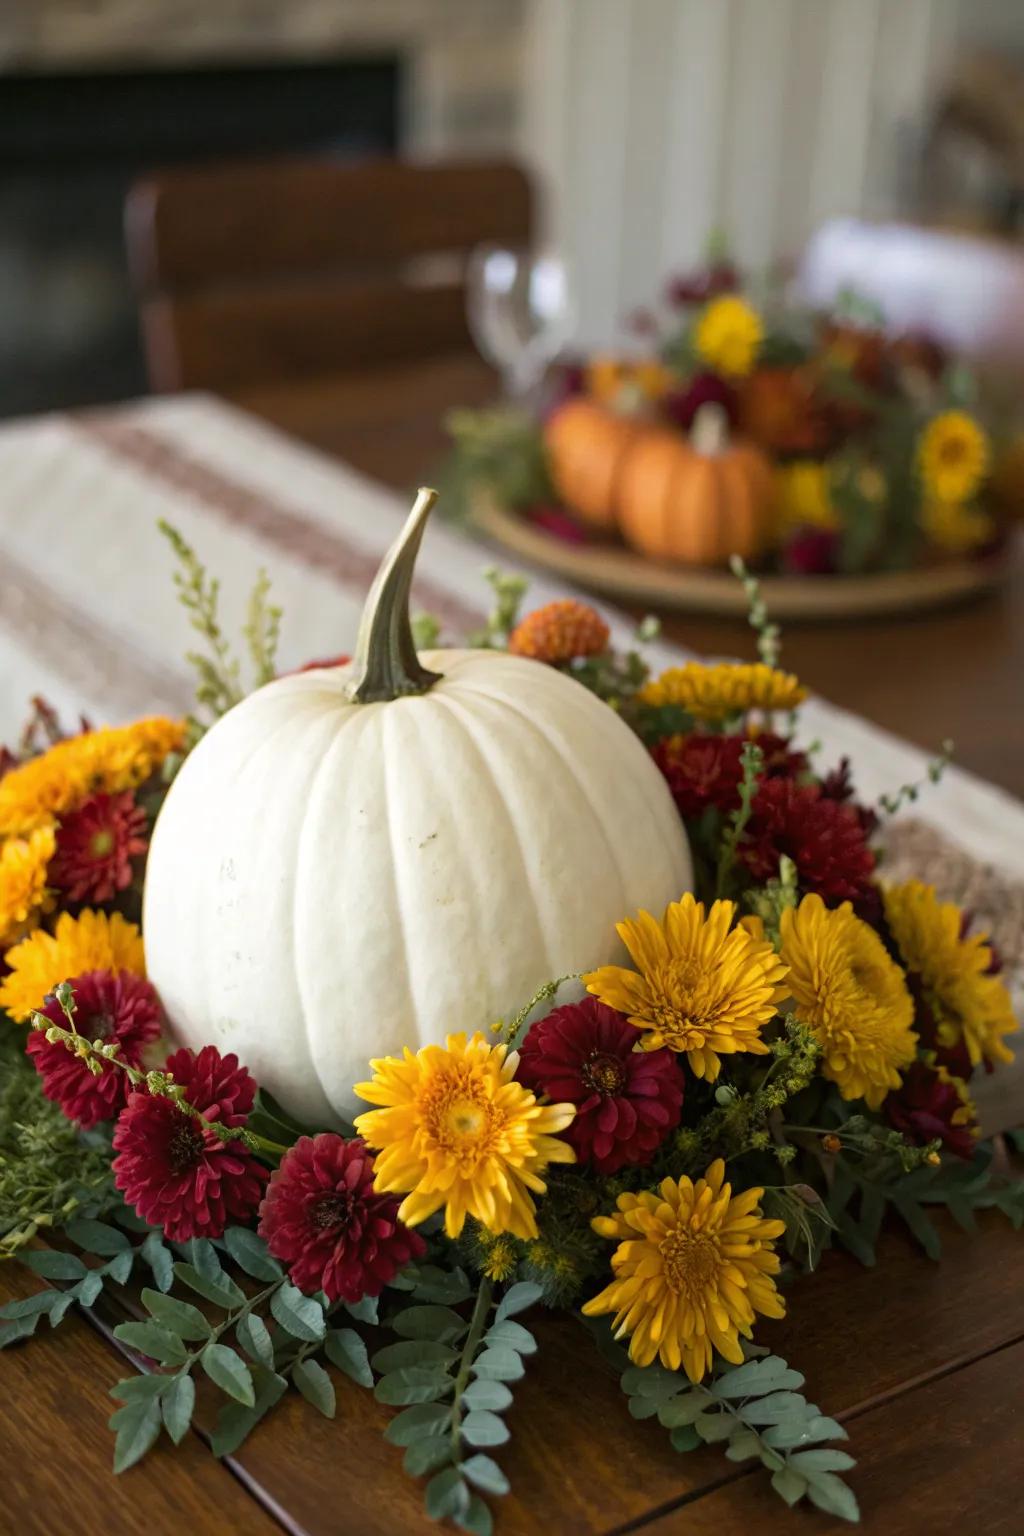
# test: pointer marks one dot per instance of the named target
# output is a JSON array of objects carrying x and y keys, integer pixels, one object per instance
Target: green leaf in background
[
  {"x": 223, "y": 1291},
  {"x": 483, "y": 1428},
  {"x": 477, "y": 1520},
  {"x": 422, "y": 1420},
  {"x": 138, "y": 1425},
  {"x": 395, "y": 1357},
  {"x": 227, "y": 1370},
  {"x": 446, "y": 1287},
  {"x": 158, "y": 1256},
  {"x": 430, "y": 1322},
  {"x": 832, "y": 1495},
  {"x": 97, "y": 1237},
  {"x": 119, "y": 1268},
  {"x": 52, "y": 1264},
  {"x": 316, "y": 1386},
  {"x": 364, "y": 1310},
  {"x": 29, "y": 1306},
  {"x": 204, "y": 1258},
  {"x": 298, "y": 1315},
  {"x": 234, "y": 1422},
  {"x": 138, "y": 1386},
  {"x": 249, "y": 1252},
  {"x": 415, "y": 1384},
  {"x": 486, "y": 1475},
  {"x": 427, "y": 1454},
  {"x": 447, "y": 1496},
  {"x": 517, "y": 1298},
  {"x": 345, "y": 1349},
  {"x": 254, "y": 1336},
  {"x": 498, "y": 1364},
  {"x": 154, "y": 1341},
  {"x": 176, "y": 1404},
  {"x": 484, "y": 1394},
  {"x": 181, "y": 1317},
  {"x": 512, "y": 1336}
]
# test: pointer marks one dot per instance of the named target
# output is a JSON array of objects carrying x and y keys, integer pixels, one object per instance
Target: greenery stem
[{"x": 478, "y": 1323}]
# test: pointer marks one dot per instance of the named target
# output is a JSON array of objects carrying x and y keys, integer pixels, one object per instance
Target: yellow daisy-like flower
[
  {"x": 967, "y": 1003},
  {"x": 693, "y": 1267},
  {"x": 713, "y": 691},
  {"x": 852, "y": 996},
  {"x": 456, "y": 1130},
  {"x": 97, "y": 762},
  {"x": 803, "y": 499},
  {"x": 954, "y": 527},
  {"x": 728, "y": 335},
  {"x": 701, "y": 987},
  {"x": 92, "y": 941},
  {"x": 23, "y": 893},
  {"x": 953, "y": 456}
]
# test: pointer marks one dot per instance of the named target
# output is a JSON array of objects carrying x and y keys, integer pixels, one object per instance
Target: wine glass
[{"x": 520, "y": 311}]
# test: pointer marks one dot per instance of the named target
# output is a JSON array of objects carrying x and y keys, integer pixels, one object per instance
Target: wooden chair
[{"x": 290, "y": 269}]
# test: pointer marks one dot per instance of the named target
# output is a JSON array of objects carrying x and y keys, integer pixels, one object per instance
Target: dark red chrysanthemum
[
  {"x": 177, "y": 1175},
  {"x": 811, "y": 552},
  {"x": 323, "y": 1218},
  {"x": 838, "y": 785},
  {"x": 95, "y": 848},
  {"x": 682, "y": 405},
  {"x": 703, "y": 771},
  {"x": 931, "y": 1106},
  {"x": 627, "y": 1101},
  {"x": 107, "y": 1007},
  {"x": 824, "y": 838}
]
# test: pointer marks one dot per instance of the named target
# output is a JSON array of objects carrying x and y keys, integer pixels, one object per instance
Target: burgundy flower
[
  {"x": 811, "y": 552},
  {"x": 682, "y": 405},
  {"x": 107, "y": 1007},
  {"x": 556, "y": 521},
  {"x": 824, "y": 838},
  {"x": 95, "y": 847},
  {"x": 838, "y": 785},
  {"x": 323, "y": 1218},
  {"x": 702, "y": 284},
  {"x": 701, "y": 771},
  {"x": 177, "y": 1175},
  {"x": 627, "y": 1101},
  {"x": 933, "y": 1105}
]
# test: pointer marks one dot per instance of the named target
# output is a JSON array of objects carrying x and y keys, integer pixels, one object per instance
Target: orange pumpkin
[{"x": 695, "y": 500}]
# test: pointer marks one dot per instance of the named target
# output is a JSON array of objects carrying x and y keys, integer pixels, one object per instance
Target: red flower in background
[
  {"x": 682, "y": 405},
  {"x": 627, "y": 1101},
  {"x": 932, "y": 1105},
  {"x": 95, "y": 847},
  {"x": 702, "y": 284},
  {"x": 702, "y": 771},
  {"x": 177, "y": 1175},
  {"x": 811, "y": 552},
  {"x": 107, "y": 1007},
  {"x": 823, "y": 837},
  {"x": 323, "y": 1218}
]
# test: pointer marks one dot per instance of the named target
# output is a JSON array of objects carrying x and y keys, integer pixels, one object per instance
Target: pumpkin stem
[
  {"x": 386, "y": 665},
  {"x": 709, "y": 430}
]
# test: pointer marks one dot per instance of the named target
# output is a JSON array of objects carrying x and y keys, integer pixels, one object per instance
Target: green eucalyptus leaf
[
  {"x": 227, "y": 1370},
  {"x": 789, "y": 1485},
  {"x": 87, "y": 1289},
  {"x": 52, "y": 1264},
  {"x": 803, "y": 1431},
  {"x": 177, "y": 1404},
  {"x": 158, "y": 1256},
  {"x": 223, "y": 1292},
  {"x": 151, "y": 1339},
  {"x": 773, "y": 1408},
  {"x": 204, "y": 1258},
  {"x": 138, "y": 1425},
  {"x": 97, "y": 1237},
  {"x": 714, "y": 1427},
  {"x": 484, "y": 1428},
  {"x": 365, "y": 1310},
  {"x": 181, "y": 1317},
  {"x": 512, "y": 1336},
  {"x": 486, "y": 1475},
  {"x": 443, "y": 1286},
  {"x": 427, "y": 1455},
  {"x": 30, "y": 1306},
  {"x": 484, "y": 1394},
  {"x": 253, "y": 1335},
  {"x": 316, "y": 1386},
  {"x": 743, "y": 1443},
  {"x": 250, "y": 1253},
  {"x": 395, "y": 1357},
  {"x": 345, "y": 1349},
  {"x": 822, "y": 1460},
  {"x": 119, "y": 1268},
  {"x": 477, "y": 1520},
  {"x": 769, "y": 1375},
  {"x": 498, "y": 1365},
  {"x": 298, "y": 1315},
  {"x": 18, "y": 1328},
  {"x": 414, "y": 1384},
  {"x": 447, "y": 1496},
  {"x": 430, "y": 1322},
  {"x": 138, "y": 1386},
  {"x": 415, "y": 1423},
  {"x": 517, "y": 1298},
  {"x": 234, "y": 1422},
  {"x": 651, "y": 1381},
  {"x": 685, "y": 1408},
  {"x": 685, "y": 1438},
  {"x": 642, "y": 1407},
  {"x": 833, "y": 1496}
]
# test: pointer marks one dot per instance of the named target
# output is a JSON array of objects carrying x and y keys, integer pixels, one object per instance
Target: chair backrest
[{"x": 256, "y": 272}]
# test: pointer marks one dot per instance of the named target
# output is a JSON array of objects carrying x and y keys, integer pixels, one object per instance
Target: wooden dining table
[{"x": 922, "y": 1362}]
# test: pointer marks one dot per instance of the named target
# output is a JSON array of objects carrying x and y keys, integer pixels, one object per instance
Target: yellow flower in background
[
  {"x": 953, "y": 457},
  {"x": 97, "y": 762},
  {"x": 728, "y": 335},
  {"x": 966, "y": 1001},
  {"x": 701, "y": 987},
  {"x": 803, "y": 499},
  {"x": 455, "y": 1130},
  {"x": 852, "y": 996},
  {"x": 693, "y": 1267},
  {"x": 713, "y": 691},
  {"x": 23, "y": 894},
  {"x": 954, "y": 527},
  {"x": 608, "y": 378},
  {"x": 92, "y": 941}
]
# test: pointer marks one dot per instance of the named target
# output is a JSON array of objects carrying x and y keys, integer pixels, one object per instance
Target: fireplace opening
[{"x": 70, "y": 147}]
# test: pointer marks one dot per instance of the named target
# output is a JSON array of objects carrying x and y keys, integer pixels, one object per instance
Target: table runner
[{"x": 88, "y": 615}]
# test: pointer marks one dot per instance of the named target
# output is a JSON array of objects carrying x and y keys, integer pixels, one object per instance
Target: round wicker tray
[{"x": 617, "y": 572}]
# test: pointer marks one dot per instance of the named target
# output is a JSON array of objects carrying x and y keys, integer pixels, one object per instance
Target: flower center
[
  {"x": 333, "y": 1211},
  {"x": 185, "y": 1146},
  {"x": 691, "y": 1262},
  {"x": 98, "y": 1026},
  {"x": 603, "y": 1074},
  {"x": 101, "y": 844},
  {"x": 460, "y": 1117}
]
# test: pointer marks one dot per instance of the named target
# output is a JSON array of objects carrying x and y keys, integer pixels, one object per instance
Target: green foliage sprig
[
  {"x": 752, "y": 764},
  {"x": 769, "y": 635},
  {"x": 907, "y": 794}
]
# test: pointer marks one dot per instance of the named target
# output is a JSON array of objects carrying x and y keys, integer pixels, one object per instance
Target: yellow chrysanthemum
[
  {"x": 23, "y": 893},
  {"x": 701, "y": 987},
  {"x": 693, "y": 1268},
  {"x": 852, "y": 996},
  {"x": 954, "y": 527},
  {"x": 728, "y": 335},
  {"x": 953, "y": 456},
  {"x": 609, "y": 378},
  {"x": 97, "y": 762},
  {"x": 92, "y": 941},
  {"x": 803, "y": 499},
  {"x": 713, "y": 691},
  {"x": 966, "y": 1002},
  {"x": 456, "y": 1130}
]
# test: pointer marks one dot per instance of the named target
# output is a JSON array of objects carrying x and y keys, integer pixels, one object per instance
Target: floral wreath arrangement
[
  {"x": 806, "y": 444},
  {"x": 771, "y": 1047}
]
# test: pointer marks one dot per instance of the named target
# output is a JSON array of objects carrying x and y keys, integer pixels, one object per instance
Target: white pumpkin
[{"x": 331, "y": 880}]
